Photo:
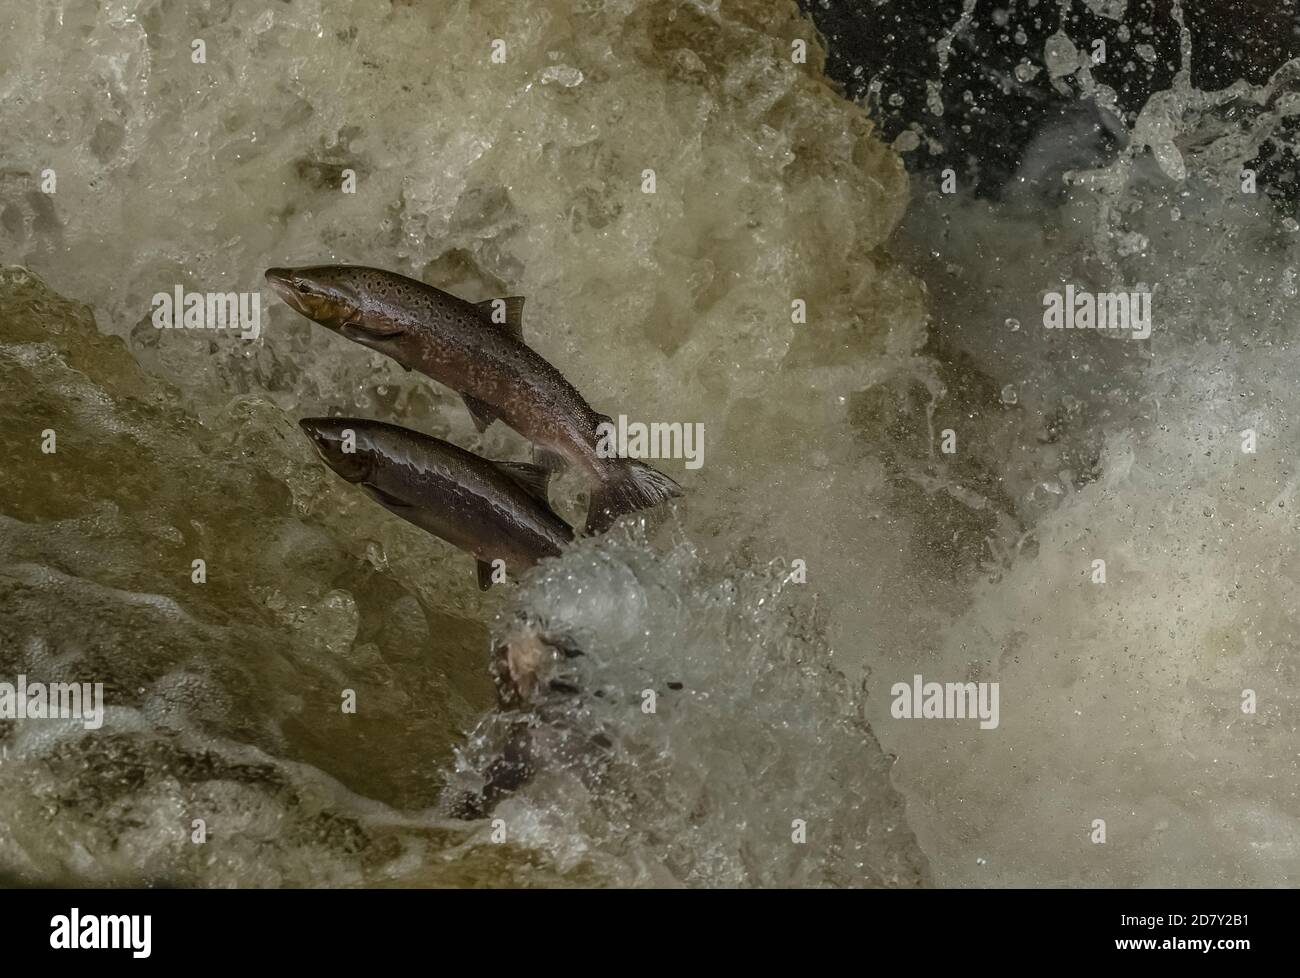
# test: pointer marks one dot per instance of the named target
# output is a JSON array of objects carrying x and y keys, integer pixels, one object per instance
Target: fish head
[
  {"x": 325, "y": 294},
  {"x": 530, "y": 661},
  {"x": 346, "y": 299},
  {"x": 342, "y": 445}
]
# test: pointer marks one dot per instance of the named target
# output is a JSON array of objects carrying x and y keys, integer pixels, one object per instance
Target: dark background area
[{"x": 884, "y": 51}]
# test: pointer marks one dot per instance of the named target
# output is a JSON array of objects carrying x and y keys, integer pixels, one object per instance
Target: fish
[
  {"x": 491, "y": 510},
  {"x": 477, "y": 349},
  {"x": 540, "y": 721}
]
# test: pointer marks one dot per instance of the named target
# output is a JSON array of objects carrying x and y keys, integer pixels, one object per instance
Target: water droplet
[
  {"x": 907, "y": 141},
  {"x": 934, "y": 98},
  {"x": 565, "y": 75},
  {"x": 1013, "y": 324},
  {"x": 1009, "y": 395},
  {"x": 1026, "y": 71}
]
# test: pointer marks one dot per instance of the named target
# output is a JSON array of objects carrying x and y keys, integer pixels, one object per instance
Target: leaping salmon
[
  {"x": 492, "y": 510},
  {"x": 477, "y": 350}
]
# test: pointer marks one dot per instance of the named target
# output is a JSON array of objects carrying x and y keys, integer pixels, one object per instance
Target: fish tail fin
[{"x": 634, "y": 486}]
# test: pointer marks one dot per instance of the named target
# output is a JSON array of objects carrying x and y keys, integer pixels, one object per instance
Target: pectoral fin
[
  {"x": 383, "y": 498},
  {"x": 358, "y": 331},
  {"x": 532, "y": 478},
  {"x": 506, "y": 313},
  {"x": 482, "y": 412}
]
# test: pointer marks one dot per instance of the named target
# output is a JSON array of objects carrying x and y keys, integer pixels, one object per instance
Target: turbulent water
[{"x": 772, "y": 756}]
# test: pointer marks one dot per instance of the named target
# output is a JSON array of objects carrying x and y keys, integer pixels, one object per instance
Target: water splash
[{"x": 709, "y": 720}]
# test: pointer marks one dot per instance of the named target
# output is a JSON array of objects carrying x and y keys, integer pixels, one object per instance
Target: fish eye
[{"x": 301, "y": 287}]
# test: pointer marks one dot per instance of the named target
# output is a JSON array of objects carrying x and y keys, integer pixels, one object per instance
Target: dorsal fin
[
  {"x": 482, "y": 412},
  {"x": 506, "y": 312},
  {"x": 531, "y": 478}
]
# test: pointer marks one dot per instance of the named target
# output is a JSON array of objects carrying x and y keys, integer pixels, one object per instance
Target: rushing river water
[{"x": 904, "y": 472}]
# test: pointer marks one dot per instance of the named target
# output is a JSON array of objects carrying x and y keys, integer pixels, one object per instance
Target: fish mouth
[
  {"x": 326, "y": 438},
  {"x": 311, "y": 428},
  {"x": 280, "y": 279},
  {"x": 282, "y": 282}
]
